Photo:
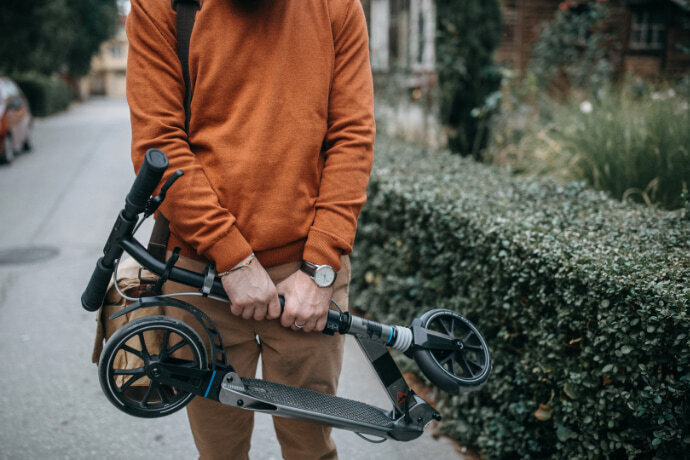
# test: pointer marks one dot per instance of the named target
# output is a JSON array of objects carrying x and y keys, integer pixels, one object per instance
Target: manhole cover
[{"x": 27, "y": 255}]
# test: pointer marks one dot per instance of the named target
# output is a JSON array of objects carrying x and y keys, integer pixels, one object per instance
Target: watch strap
[{"x": 308, "y": 268}]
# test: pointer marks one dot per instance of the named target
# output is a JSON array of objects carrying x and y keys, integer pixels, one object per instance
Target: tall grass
[
  {"x": 630, "y": 145},
  {"x": 632, "y": 141}
]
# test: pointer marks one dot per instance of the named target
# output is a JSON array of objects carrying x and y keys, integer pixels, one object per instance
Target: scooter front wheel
[
  {"x": 462, "y": 370},
  {"x": 130, "y": 364}
]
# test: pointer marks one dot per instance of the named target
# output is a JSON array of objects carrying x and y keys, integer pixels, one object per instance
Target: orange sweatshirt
[{"x": 281, "y": 130}]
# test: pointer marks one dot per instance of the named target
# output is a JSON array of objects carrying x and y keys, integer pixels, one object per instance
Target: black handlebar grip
[
  {"x": 93, "y": 295},
  {"x": 150, "y": 175}
]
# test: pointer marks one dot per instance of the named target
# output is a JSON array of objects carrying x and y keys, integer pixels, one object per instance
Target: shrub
[
  {"x": 576, "y": 45},
  {"x": 468, "y": 32},
  {"x": 522, "y": 131},
  {"x": 631, "y": 146},
  {"x": 46, "y": 95},
  {"x": 632, "y": 141},
  {"x": 583, "y": 301}
]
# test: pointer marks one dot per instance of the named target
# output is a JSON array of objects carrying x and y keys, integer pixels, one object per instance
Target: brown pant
[{"x": 306, "y": 360}]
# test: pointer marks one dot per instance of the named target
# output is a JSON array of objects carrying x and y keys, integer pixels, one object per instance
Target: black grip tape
[
  {"x": 93, "y": 295},
  {"x": 150, "y": 175}
]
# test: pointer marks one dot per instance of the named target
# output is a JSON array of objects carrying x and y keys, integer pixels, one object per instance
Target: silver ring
[{"x": 298, "y": 326}]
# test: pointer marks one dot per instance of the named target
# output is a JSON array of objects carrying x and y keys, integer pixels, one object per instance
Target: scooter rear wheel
[
  {"x": 148, "y": 342},
  {"x": 463, "y": 370}
]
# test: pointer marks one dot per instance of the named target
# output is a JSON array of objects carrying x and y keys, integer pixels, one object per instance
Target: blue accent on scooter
[{"x": 213, "y": 376}]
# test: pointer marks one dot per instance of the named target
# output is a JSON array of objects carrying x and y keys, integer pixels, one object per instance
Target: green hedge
[
  {"x": 46, "y": 95},
  {"x": 583, "y": 301}
]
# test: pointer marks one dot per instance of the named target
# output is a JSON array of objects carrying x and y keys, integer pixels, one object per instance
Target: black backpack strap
[{"x": 186, "y": 15}]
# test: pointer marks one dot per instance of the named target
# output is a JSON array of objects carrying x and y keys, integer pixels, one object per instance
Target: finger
[
  {"x": 248, "y": 312},
  {"x": 321, "y": 323},
  {"x": 274, "y": 308},
  {"x": 310, "y": 325},
  {"x": 299, "y": 325},
  {"x": 260, "y": 312},
  {"x": 288, "y": 317},
  {"x": 236, "y": 309}
]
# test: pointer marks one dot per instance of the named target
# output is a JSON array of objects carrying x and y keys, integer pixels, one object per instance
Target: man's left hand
[{"x": 305, "y": 303}]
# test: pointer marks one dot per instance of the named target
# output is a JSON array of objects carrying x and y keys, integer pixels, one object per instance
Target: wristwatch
[{"x": 323, "y": 275}]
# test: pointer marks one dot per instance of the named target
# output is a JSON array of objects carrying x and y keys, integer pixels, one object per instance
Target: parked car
[{"x": 15, "y": 121}]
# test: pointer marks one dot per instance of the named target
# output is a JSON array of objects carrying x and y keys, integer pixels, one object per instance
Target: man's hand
[
  {"x": 252, "y": 292},
  {"x": 305, "y": 302}
]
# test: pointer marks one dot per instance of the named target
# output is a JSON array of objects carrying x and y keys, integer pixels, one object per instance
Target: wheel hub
[{"x": 154, "y": 371}]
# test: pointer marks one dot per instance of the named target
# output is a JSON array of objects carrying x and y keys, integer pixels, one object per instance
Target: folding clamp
[
  {"x": 168, "y": 268},
  {"x": 209, "y": 277}
]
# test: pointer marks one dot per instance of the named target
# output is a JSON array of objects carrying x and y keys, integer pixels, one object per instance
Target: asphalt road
[{"x": 65, "y": 194}]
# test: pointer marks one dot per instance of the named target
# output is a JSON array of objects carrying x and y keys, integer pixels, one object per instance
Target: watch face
[{"x": 324, "y": 276}]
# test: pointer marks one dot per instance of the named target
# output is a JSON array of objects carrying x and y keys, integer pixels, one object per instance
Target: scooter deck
[
  {"x": 325, "y": 405},
  {"x": 292, "y": 402}
]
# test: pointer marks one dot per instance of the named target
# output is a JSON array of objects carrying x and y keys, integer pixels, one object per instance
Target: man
[{"x": 276, "y": 165}]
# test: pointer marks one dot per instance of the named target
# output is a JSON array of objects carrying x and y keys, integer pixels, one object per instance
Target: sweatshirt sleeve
[
  {"x": 349, "y": 144},
  {"x": 155, "y": 93}
]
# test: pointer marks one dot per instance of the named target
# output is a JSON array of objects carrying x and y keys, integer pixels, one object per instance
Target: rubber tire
[
  {"x": 8, "y": 151},
  {"x": 27, "y": 146},
  {"x": 125, "y": 333},
  {"x": 431, "y": 368}
]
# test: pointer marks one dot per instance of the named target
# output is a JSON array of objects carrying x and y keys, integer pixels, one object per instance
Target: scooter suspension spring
[{"x": 403, "y": 338}]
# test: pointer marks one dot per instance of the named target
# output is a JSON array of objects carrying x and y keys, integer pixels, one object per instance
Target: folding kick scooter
[{"x": 447, "y": 347}]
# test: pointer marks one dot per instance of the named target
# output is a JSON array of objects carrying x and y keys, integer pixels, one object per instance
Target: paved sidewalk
[{"x": 66, "y": 194}]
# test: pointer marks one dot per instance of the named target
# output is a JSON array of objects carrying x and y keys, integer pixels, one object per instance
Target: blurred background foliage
[
  {"x": 57, "y": 36},
  {"x": 570, "y": 116},
  {"x": 468, "y": 32},
  {"x": 574, "y": 48},
  {"x": 630, "y": 138},
  {"x": 47, "y": 45}
]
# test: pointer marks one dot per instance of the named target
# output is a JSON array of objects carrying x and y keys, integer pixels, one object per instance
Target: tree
[
  {"x": 97, "y": 22},
  {"x": 49, "y": 36},
  {"x": 468, "y": 32},
  {"x": 575, "y": 48}
]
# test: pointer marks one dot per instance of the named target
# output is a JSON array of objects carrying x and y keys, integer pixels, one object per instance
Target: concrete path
[{"x": 66, "y": 194}]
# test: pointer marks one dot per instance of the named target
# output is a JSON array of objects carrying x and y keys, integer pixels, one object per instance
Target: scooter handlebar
[
  {"x": 148, "y": 178},
  {"x": 93, "y": 295}
]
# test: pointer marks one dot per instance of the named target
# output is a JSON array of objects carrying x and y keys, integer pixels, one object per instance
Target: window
[
  {"x": 648, "y": 30},
  {"x": 398, "y": 33},
  {"x": 379, "y": 15},
  {"x": 116, "y": 51},
  {"x": 422, "y": 34}
]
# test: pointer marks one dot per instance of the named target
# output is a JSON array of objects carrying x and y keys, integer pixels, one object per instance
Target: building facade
[
  {"x": 109, "y": 66},
  {"x": 653, "y": 40},
  {"x": 401, "y": 38},
  {"x": 652, "y": 35}
]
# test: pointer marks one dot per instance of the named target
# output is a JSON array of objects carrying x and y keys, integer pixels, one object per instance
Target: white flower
[
  {"x": 586, "y": 107},
  {"x": 671, "y": 93},
  {"x": 656, "y": 96}
]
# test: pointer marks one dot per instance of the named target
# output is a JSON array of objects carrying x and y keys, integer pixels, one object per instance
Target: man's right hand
[{"x": 251, "y": 291}]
